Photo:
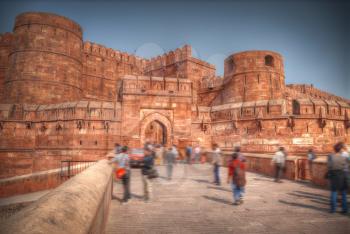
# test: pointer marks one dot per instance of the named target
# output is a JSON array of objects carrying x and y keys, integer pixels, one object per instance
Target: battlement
[
  {"x": 315, "y": 93},
  {"x": 169, "y": 58},
  {"x": 95, "y": 49}
]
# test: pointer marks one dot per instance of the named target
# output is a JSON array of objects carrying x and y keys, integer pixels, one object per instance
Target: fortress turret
[
  {"x": 45, "y": 63},
  {"x": 253, "y": 75}
]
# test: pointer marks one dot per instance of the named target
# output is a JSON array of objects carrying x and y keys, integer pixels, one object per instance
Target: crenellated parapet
[
  {"x": 311, "y": 91},
  {"x": 117, "y": 56},
  {"x": 180, "y": 63},
  {"x": 169, "y": 58}
]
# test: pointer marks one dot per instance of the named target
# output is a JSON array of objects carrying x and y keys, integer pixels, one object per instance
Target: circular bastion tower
[
  {"x": 253, "y": 76},
  {"x": 45, "y": 64}
]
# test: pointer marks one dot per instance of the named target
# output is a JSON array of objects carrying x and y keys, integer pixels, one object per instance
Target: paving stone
[{"x": 192, "y": 204}]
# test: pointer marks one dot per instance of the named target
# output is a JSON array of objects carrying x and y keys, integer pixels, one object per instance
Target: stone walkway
[
  {"x": 11, "y": 205},
  {"x": 191, "y": 204}
]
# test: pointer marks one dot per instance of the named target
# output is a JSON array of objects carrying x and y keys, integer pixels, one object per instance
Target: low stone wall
[
  {"x": 80, "y": 205},
  {"x": 297, "y": 167}
]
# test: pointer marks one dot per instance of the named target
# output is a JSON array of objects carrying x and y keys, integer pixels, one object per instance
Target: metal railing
[{"x": 71, "y": 168}]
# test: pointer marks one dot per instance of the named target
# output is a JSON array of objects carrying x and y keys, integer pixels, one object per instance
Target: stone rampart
[{"x": 79, "y": 205}]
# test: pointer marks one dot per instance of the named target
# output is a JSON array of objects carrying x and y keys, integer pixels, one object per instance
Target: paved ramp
[{"x": 190, "y": 203}]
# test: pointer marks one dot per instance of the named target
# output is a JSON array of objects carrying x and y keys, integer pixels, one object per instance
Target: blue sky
[{"x": 313, "y": 36}]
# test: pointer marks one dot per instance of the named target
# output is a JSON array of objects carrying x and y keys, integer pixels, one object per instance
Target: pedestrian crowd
[{"x": 338, "y": 169}]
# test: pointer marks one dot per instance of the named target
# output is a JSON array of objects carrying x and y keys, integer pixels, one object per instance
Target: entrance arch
[{"x": 158, "y": 127}]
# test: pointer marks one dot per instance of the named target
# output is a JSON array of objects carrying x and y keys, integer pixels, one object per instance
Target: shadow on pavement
[
  {"x": 202, "y": 181},
  {"x": 219, "y": 188},
  {"x": 220, "y": 200},
  {"x": 312, "y": 196},
  {"x": 304, "y": 206}
]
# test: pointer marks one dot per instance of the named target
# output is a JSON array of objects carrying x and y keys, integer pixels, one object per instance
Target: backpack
[{"x": 239, "y": 176}]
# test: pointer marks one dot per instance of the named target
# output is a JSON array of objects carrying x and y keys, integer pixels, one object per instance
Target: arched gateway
[{"x": 156, "y": 128}]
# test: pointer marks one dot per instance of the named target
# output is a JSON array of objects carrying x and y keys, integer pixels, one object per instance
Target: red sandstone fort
[{"x": 65, "y": 98}]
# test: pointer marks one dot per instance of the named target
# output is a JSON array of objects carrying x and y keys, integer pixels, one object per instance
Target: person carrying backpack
[
  {"x": 148, "y": 172},
  {"x": 236, "y": 175},
  {"x": 123, "y": 170}
]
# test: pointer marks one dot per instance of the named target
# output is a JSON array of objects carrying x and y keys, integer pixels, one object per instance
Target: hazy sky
[{"x": 313, "y": 36}]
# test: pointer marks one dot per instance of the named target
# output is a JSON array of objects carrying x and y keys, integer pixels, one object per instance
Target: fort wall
[
  {"x": 102, "y": 69},
  {"x": 45, "y": 62},
  {"x": 41, "y": 136},
  {"x": 65, "y": 99}
]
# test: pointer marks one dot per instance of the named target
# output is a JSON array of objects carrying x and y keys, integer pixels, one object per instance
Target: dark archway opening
[
  {"x": 296, "y": 107},
  {"x": 269, "y": 61},
  {"x": 156, "y": 133}
]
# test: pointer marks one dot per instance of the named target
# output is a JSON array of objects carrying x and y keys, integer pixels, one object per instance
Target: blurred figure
[
  {"x": 237, "y": 150},
  {"x": 197, "y": 153},
  {"x": 170, "y": 160},
  {"x": 279, "y": 160},
  {"x": 337, "y": 166},
  {"x": 148, "y": 163},
  {"x": 159, "y": 152},
  {"x": 216, "y": 163},
  {"x": 175, "y": 151},
  {"x": 236, "y": 175},
  {"x": 310, "y": 158},
  {"x": 117, "y": 148},
  {"x": 123, "y": 169},
  {"x": 188, "y": 154}
]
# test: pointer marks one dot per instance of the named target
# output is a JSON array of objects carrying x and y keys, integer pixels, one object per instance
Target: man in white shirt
[
  {"x": 122, "y": 160},
  {"x": 279, "y": 160}
]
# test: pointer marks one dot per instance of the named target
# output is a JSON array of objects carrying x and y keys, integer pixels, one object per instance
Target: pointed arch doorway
[
  {"x": 156, "y": 128},
  {"x": 156, "y": 133}
]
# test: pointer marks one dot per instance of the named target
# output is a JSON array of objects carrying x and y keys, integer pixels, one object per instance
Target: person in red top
[{"x": 236, "y": 175}]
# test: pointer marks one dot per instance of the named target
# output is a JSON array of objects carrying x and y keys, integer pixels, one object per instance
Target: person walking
[
  {"x": 117, "y": 148},
  {"x": 236, "y": 175},
  {"x": 147, "y": 166},
  {"x": 336, "y": 174},
  {"x": 310, "y": 158},
  {"x": 279, "y": 160},
  {"x": 123, "y": 170},
  {"x": 216, "y": 163},
  {"x": 237, "y": 150},
  {"x": 188, "y": 154},
  {"x": 197, "y": 153},
  {"x": 170, "y": 160},
  {"x": 175, "y": 151}
]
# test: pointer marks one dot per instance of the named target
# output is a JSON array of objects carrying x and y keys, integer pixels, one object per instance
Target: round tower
[
  {"x": 253, "y": 76},
  {"x": 45, "y": 65}
]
